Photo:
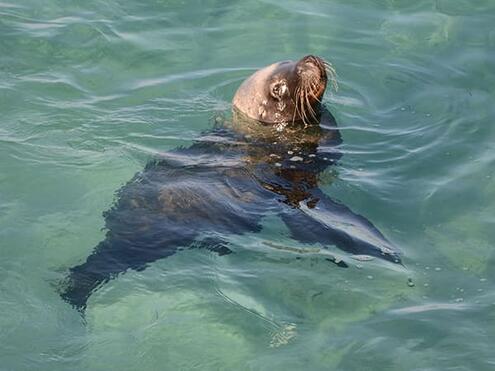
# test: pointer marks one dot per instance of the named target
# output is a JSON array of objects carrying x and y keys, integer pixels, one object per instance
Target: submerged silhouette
[{"x": 225, "y": 183}]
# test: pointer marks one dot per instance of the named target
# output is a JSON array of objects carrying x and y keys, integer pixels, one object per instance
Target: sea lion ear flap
[{"x": 278, "y": 90}]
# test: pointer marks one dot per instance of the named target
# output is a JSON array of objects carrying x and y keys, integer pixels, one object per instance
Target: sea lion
[{"x": 263, "y": 162}]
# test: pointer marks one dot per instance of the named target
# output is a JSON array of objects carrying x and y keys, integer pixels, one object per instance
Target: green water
[{"x": 90, "y": 91}]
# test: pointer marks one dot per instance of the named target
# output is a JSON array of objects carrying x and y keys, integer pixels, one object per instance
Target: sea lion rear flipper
[
  {"x": 110, "y": 258},
  {"x": 85, "y": 278}
]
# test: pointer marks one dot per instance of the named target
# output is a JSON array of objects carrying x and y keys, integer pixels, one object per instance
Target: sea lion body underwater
[{"x": 266, "y": 161}]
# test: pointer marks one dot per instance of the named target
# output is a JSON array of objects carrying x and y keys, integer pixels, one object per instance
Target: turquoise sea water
[{"x": 90, "y": 91}]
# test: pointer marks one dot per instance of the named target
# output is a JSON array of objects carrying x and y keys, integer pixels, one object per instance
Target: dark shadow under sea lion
[{"x": 227, "y": 181}]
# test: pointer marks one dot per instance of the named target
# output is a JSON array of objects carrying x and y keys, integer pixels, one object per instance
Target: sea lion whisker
[
  {"x": 299, "y": 103},
  {"x": 303, "y": 114},
  {"x": 306, "y": 97},
  {"x": 332, "y": 74},
  {"x": 307, "y": 104},
  {"x": 314, "y": 87},
  {"x": 303, "y": 110},
  {"x": 311, "y": 110},
  {"x": 294, "y": 102},
  {"x": 314, "y": 96},
  {"x": 306, "y": 118}
]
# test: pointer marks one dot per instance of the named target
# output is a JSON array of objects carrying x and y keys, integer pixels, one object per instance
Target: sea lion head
[{"x": 285, "y": 92}]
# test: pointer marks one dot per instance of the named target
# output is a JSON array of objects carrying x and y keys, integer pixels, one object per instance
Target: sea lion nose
[
  {"x": 310, "y": 65},
  {"x": 309, "y": 58},
  {"x": 312, "y": 60}
]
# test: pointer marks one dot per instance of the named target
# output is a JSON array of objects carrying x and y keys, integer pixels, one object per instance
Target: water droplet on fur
[{"x": 296, "y": 158}]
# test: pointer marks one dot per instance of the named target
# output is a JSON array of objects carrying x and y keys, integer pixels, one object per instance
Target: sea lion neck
[{"x": 290, "y": 133}]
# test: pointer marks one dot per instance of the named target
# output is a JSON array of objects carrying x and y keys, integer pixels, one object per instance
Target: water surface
[{"x": 90, "y": 91}]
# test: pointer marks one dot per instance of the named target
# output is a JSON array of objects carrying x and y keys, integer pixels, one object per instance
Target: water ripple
[{"x": 90, "y": 91}]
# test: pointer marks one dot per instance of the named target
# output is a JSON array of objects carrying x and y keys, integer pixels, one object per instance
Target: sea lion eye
[{"x": 278, "y": 89}]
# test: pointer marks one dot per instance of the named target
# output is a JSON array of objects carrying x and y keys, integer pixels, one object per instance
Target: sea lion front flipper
[{"x": 330, "y": 222}]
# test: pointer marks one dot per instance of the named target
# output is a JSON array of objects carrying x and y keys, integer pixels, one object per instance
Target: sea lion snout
[
  {"x": 312, "y": 67},
  {"x": 312, "y": 74}
]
